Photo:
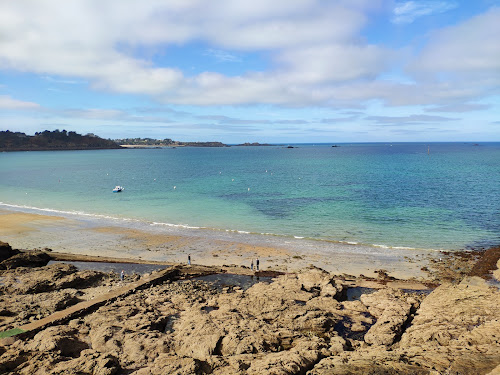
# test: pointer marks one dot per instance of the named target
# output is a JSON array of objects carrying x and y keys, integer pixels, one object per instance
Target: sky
[{"x": 253, "y": 71}]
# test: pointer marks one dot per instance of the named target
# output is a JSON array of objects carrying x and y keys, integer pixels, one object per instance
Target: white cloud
[
  {"x": 319, "y": 23},
  {"x": 333, "y": 62},
  {"x": 62, "y": 81},
  {"x": 317, "y": 54},
  {"x": 459, "y": 107},
  {"x": 6, "y": 102},
  {"x": 84, "y": 39},
  {"x": 222, "y": 56},
  {"x": 94, "y": 113},
  {"x": 104, "y": 114},
  {"x": 408, "y": 120},
  {"x": 471, "y": 47},
  {"x": 409, "y": 11}
]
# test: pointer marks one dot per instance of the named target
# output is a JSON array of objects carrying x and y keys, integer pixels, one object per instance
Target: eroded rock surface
[
  {"x": 392, "y": 309},
  {"x": 298, "y": 324},
  {"x": 28, "y": 294},
  {"x": 25, "y": 259},
  {"x": 456, "y": 330}
]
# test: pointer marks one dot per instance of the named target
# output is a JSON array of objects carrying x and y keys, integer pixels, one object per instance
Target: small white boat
[{"x": 118, "y": 189}]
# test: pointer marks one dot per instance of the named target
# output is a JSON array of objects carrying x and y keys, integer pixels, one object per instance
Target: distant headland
[
  {"x": 167, "y": 142},
  {"x": 53, "y": 140},
  {"x": 64, "y": 140},
  {"x": 255, "y": 144}
]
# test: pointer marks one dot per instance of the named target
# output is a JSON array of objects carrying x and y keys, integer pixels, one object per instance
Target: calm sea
[{"x": 432, "y": 196}]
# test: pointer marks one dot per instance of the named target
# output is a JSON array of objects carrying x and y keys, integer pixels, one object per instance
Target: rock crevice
[{"x": 297, "y": 324}]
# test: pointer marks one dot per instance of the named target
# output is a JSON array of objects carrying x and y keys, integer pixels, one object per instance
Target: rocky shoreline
[{"x": 174, "y": 322}]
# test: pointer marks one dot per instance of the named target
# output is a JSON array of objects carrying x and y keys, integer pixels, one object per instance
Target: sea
[{"x": 443, "y": 196}]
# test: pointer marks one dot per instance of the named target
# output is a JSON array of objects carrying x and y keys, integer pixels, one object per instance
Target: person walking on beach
[
  {"x": 251, "y": 265},
  {"x": 189, "y": 259},
  {"x": 122, "y": 275},
  {"x": 257, "y": 264}
]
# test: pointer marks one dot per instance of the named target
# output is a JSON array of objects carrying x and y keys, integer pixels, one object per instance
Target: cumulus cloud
[
  {"x": 86, "y": 39},
  {"x": 316, "y": 53},
  {"x": 6, "y": 102},
  {"x": 334, "y": 62},
  {"x": 471, "y": 47}
]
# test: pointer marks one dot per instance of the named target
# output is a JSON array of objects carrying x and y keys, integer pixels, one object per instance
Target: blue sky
[{"x": 260, "y": 71}]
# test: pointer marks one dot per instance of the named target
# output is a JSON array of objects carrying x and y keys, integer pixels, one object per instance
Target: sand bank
[{"x": 75, "y": 235}]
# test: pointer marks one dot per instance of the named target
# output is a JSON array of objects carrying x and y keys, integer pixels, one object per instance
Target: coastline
[
  {"x": 64, "y": 314},
  {"x": 218, "y": 320},
  {"x": 77, "y": 235}
]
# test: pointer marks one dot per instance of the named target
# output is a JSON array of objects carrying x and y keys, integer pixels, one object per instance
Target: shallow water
[
  {"x": 222, "y": 280},
  {"x": 129, "y": 268},
  {"x": 354, "y": 294},
  {"x": 380, "y": 195}
]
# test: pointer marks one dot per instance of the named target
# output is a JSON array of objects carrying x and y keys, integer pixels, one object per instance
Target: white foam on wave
[
  {"x": 63, "y": 212},
  {"x": 185, "y": 226},
  {"x": 283, "y": 237},
  {"x": 396, "y": 247},
  {"x": 96, "y": 216}
]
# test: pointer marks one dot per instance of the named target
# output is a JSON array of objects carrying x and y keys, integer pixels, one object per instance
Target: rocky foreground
[{"x": 297, "y": 324}]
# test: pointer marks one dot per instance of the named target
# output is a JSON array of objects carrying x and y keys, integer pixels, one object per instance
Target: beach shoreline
[
  {"x": 183, "y": 318},
  {"x": 180, "y": 318},
  {"x": 76, "y": 235}
]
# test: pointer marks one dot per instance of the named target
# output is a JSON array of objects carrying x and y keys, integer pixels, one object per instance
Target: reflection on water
[
  {"x": 129, "y": 268},
  {"x": 226, "y": 279},
  {"x": 353, "y": 294},
  {"x": 423, "y": 292}
]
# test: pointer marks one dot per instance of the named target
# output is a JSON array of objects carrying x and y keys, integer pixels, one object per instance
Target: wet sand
[
  {"x": 19, "y": 223},
  {"x": 76, "y": 236}
]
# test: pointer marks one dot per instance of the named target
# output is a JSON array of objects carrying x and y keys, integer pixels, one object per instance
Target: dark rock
[
  {"x": 26, "y": 259},
  {"x": 486, "y": 263},
  {"x": 6, "y": 251},
  {"x": 82, "y": 279}
]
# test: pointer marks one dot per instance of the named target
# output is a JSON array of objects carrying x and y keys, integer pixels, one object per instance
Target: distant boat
[{"x": 118, "y": 189}]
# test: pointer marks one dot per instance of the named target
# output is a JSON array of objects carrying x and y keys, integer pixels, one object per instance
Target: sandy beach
[
  {"x": 26, "y": 230},
  {"x": 370, "y": 314}
]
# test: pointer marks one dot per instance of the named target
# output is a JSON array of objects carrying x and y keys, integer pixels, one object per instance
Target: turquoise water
[{"x": 377, "y": 194}]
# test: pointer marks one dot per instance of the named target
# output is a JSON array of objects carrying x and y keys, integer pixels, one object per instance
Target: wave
[
  {"x": 146, "y": 223},
  {"x": 185, "y": 226},
  {"x": 97, "y": 216},
  {"x": 62, "y": 212}
]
